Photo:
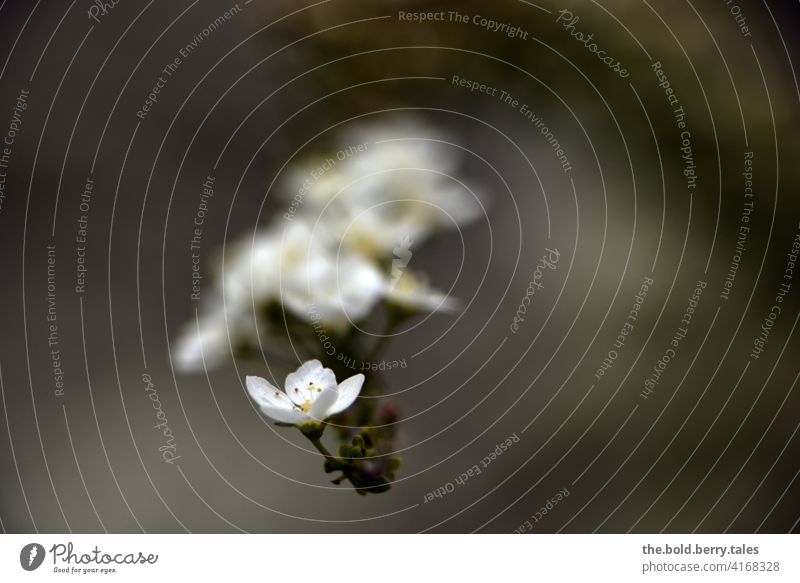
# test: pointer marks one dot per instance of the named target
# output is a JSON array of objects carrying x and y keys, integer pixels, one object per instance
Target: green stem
[
  {"x": 322, "y": 449},
  {"x": 315, "y": 437}
]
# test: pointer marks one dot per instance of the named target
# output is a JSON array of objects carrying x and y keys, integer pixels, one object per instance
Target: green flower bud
[{"x": 312, "y": 430}]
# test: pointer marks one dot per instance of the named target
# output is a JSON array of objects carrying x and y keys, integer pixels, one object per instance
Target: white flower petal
[
  {"x": 461, "y": 206},
  {"x": 260, "y": 266},
  {"x": 332, "y": 289},
  {"x": 310, "y": 372},
  {"x": 281, "y": 415},
  {"x": 299, "y": 395},
  {"x": 264, "y": 392},
  {"x": 320, "y": 409},
  {"x": 202, "y": 345},
  {"x": 410, "y": 291},
  {"x": 319, "y": 404},
  {"x": 272, "y": 401},
  {"x": 251, "y": 272},
  {"x": 348, "y": 392}
]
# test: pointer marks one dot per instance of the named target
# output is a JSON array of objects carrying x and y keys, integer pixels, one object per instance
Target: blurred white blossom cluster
[{"x": 342, "y": 248}]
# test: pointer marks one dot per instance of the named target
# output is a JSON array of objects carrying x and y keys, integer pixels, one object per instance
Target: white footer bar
[{"x": 395, "y": 558}]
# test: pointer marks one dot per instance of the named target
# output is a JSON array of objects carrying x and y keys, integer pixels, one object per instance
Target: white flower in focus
[
  {"x": 310, "y": 394},
  {"x": 412, "y": 292}
]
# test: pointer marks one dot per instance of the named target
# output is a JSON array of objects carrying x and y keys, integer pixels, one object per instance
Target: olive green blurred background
[{"x": 713, "y": 449}]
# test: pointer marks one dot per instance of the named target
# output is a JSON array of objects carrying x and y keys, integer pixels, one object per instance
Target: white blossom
[
  {"x": 412, "y": 292},
  {"x": 310, "y": 394},
  {"x": 208, "y": 341},
  {"x": 395, "y": 187}
]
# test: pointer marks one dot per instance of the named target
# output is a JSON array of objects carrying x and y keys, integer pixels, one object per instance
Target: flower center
[{"x": 312, "y": 391}]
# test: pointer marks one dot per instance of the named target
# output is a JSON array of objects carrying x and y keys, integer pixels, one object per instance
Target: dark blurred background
[{"x": 712, "y": 448}]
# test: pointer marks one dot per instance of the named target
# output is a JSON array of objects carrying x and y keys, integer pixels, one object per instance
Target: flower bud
[{"x": 312, "y": 430}]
